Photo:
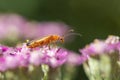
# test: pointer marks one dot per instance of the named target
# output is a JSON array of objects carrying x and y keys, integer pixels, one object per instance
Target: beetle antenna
[{"x": 71, "y": 32}]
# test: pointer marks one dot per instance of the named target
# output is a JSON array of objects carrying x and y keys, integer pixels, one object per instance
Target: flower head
[
  {"x": 111, "y": 44},
  {"x": 53, "y": 57},
  {"x": 20, "y": 28},
  {"x": 11, "y": 58},
  {"x": 75, "y": 58},
  {"x": 12, "y": 24}
]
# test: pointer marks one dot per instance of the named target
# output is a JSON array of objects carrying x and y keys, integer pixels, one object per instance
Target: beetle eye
[
  {"x": 62, "y": 40},
  {"x": 28, "y": 43}
]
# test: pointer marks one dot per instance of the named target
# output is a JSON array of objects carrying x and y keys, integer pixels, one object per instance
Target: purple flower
[
  {"x": 41, "y": 29},
  {"x": 23, "y": 56},
  {"x": 113, "y": 43},
  {"x": 59, "y": 58},
  {"x": 3, "y": 49},
  {"x": 97, "y": 47},
  {"x": 35, "y": 58},
  {"x": 54, "y": 57},
  {"x": 12, "y": 58},
  {"x": 20, "y": 28},
  {"x": 12, "y": 24},
  {"x": 3, "y": 66},
  {"x": 11, "y": 62},
  {"x": 75, "y": 59},
  {"x": 50, "y": 28},
  {"x": 110, "y": 45}
]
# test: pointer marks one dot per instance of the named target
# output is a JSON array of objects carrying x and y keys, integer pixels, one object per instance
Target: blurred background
[{"x": 91, "y": 18}]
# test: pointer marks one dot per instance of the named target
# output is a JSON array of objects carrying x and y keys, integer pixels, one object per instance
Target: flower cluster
[
  {"x": 75, "y": 58},
  {"x": 111, "y": 44},
  {"x": 18, "y": 27},
  {"x": 11, "y": 58}
]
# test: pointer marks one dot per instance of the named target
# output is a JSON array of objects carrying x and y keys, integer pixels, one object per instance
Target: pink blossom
[{"x": 98, "y": 47}]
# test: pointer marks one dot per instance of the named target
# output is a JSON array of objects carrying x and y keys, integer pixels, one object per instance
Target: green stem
[
  {"x": 45, "y": 76},
  {"x": 3, "y": 76},
  {"x": 45, "y": 69},
  {"x": 55, "y": 74}
]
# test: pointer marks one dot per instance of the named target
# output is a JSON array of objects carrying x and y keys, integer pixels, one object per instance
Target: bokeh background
[{"x": 91, "y": 18}]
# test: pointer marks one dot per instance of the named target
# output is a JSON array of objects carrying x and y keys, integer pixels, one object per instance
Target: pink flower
[
  {"x": 75, "y": 58},
  {"x": 23, "y": 56},
  {"x": 10, "y": 25},
  {"x": 54, "y": 57},
  {"x": 110, "y": 45},
  {"x": 97, "y": 47},
  {"x": 19, "y": 28},
  {"x": 3, "y": 66}
]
